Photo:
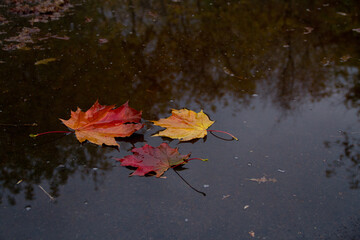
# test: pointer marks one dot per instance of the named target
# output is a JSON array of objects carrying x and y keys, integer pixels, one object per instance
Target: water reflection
[
  {"x": 163, "y": 54},
  {"x": 349, "y": 141},
  {"x": 349, "y": 159},
  {"x": 28, "y": 163}
]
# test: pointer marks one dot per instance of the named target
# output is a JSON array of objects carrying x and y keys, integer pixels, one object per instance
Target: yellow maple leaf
[{"x": 184, "y": 124}]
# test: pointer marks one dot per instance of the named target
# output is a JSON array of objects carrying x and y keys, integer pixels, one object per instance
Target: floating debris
[
  {"x": 325, "y": 62},
  {"x": 47, "y": 194},
  {"x": 47, "y": 36},
  {"x": 263, "y": 180},
  {"x": 40, "y": 10},
  {"x": 225, "y": 196},
  {"x": 345, "y": 58},
  {"x": 27, "y": 208},
  {"x": 103, "y": 40},
  {"x": 24, "y": 37},
  {"x": 45, "y": 61},
  {"x": 88, "y": 19},
  {"x": 308, "y": 30},
  {"x": 3, "y": 20},
  {"x": 230, "y": 73},
  {"x": 341, "y": 13}
]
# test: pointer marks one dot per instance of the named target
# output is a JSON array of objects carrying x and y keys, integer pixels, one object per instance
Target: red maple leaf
[
  {"x": 101, "y": 124},
  {"x": 153, "y": 159}
]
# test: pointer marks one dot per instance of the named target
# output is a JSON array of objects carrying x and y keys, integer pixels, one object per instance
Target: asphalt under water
[{"x": 282, "y": 76}]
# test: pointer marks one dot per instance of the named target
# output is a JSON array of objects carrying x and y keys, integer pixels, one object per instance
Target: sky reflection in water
[{"x": 281, "y": 76}]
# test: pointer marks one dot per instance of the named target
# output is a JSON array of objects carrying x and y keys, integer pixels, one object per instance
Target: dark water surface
[{"x": 282, "y": 76}]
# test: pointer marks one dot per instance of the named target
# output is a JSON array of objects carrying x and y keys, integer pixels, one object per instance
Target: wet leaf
[
  {"x": 341, "y": 13},
  {"x": 60, "y": 38},
  {"x": 345, "y": 58},
  {"x": 88, "y": 19},
  {"x": 225, "y": 196},
  {"x": 13, "y": 46},
  {"x": 3, "y": 20},
  {"x": 101, "y": 124},
  {"x": 184, "y": 124},
  {"x": 45, "y": 61},
  {"x": 153, "y": 159},
  {"x": 103, "y": 40},
  {"x": 25, "y": 36},
  {"x": 308, "y": 30},
  {"x": 42, "y": 10},
  {"x": 263, "y": 180}
]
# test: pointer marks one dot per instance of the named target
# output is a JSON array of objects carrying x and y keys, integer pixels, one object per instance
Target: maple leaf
[
  {"x": 184, "y": 124},
  {"x": 154, "y": 159},
  {"x": 101, "y": 124}
]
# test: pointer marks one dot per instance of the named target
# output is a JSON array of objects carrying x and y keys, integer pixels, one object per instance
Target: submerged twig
[{"x": 51, "y": 197}]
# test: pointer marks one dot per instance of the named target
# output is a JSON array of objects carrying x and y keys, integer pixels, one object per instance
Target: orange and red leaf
[{"x": 101, "y": 124}]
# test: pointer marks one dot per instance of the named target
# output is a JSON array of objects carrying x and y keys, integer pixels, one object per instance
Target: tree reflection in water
[
  {"x": 163, "y": 54},
  {"x": 349, "y": 142}
]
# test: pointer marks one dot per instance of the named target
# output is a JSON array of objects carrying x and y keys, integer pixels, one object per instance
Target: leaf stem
[
  {"x": 39, "y": 134},
  {"x": 185, "y": 161},
  {"x": 209, "y": 130}
]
